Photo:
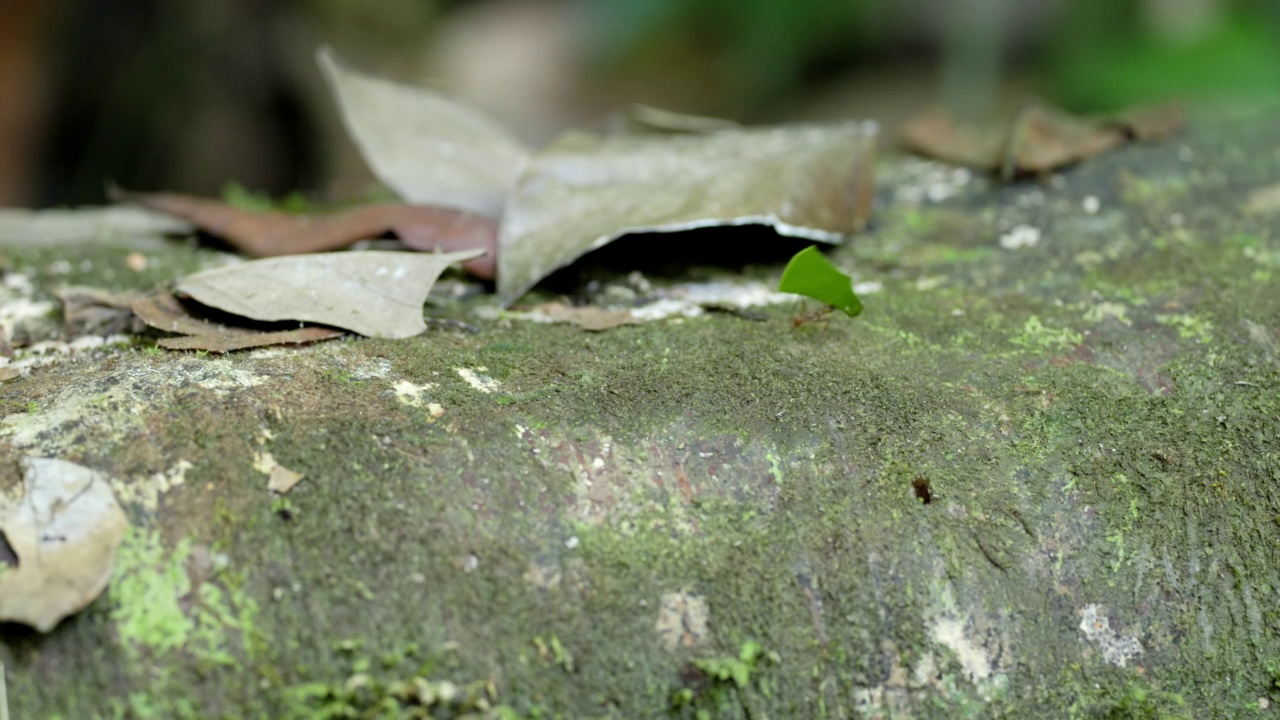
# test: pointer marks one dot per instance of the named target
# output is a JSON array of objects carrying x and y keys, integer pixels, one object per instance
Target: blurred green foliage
[
  {"x": 1082, "y": 54},
  {"x": 1107, "y": 54}
]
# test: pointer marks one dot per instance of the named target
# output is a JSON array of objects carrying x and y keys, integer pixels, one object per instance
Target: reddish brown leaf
[
  {"x": 268, "y": 233},
  {"x": 228, "y": 343},
  {"x": 161, "y": 310},
  {"x": 1038, "y": 139}
]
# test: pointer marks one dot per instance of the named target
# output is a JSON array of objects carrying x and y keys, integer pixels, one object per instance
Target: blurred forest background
[{"x": 187, "y": 95}]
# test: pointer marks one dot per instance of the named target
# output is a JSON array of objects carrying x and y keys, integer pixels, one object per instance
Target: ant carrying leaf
[
  {"x": 811, "y": 274},
  {"x": 805, "y": 316}
]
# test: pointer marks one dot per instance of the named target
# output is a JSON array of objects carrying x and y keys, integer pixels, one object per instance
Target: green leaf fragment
[{"x": 811, "y": 274}]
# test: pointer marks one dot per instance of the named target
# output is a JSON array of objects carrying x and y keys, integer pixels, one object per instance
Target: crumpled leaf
[
  {"x": 94, "y": 311},
  {"x": 371, "y": 292},
  {"x": 64, "y": 533},
  {"x": 163, "y": 311},
  {"x": 269, "y": 233},
  {"x": 812, "y": 275},
  {"x": 428, "y": 148},
  {"x": 1039, "y": 139},
  {"x": 583, "y": 191}
]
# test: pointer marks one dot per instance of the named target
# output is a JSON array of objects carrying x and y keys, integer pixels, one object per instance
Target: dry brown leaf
[
  {"x": 592, "y": 319},
  {"x": 94, "y": 311},
  {"x": 1039, "y": 139},
  {"x": 163, "y": 311},
  {"x": 270, "y": 233},
  {"x": 224, "y": 344},
  {"x": 63, "y": 533}
]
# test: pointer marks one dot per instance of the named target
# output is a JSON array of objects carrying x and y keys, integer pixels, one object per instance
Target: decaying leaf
[
  {"x": 163, "y": 311},
  {"x": 94, "y": 311},
  {"x": 583, "y": 191},
  {"x": 270, "y": 233},
  {"x": 428, "y": 148},
  {"x": 1039, "y": 139},
  {"x": 371, "y": 292},
  {"x": 63, "y": 534}
]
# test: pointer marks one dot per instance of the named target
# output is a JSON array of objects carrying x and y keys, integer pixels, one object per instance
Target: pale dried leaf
[
  {"x": 583, "y": 191},
  {"x": 134, "y": 227},
  {"x": 281, "y": 479},
  {"x": 428, "y": 148},
  {"x": 372, "y": 292},
  {"x": 64, "y": 532}
]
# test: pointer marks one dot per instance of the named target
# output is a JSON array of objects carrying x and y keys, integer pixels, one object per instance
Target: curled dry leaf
[
  {"x": 161, "y": 310},
  {"x": 62, "y": 537},
  {"x": 94, "y": 311},
  {"x": 269, "y": 233},
  {"x": 583, "y": 191},
  {"x": 374, "y": 293},
  {"x": 1038, "y": 139},
  {"x": 428, "y": 148}
]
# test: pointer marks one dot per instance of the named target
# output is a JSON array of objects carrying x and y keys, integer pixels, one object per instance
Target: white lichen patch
[
  {"x": 929, "y": 181},
  {"x": 727, "y": 294},
  {"x": 1020, "y": 237},
  {"x": 1116, "y": 649},
  {"x": 682, "y": 620},
  {"x": 18, "y": 307},
  {"x": 52, "y": 352},
  {"x": 973, "y": 657},
  {"x": 683, "y": 300},
  {"x": 411, "y": 394},
  {"x": 375, "y": 369},
  {"x": 107, "y": 409},
  {"x": 478, "y": 380},
  {"x": 146, "y": 491}
]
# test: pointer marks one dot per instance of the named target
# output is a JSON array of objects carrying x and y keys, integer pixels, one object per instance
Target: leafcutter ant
[{"x": 806, "y": 317}]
